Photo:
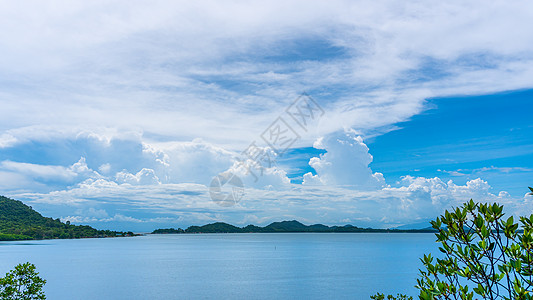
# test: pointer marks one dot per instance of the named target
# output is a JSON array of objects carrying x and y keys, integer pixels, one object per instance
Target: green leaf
[
  {"x": 484, "y": 232},
  {"x": 479, "y": 222},
  {"x": 510, "y": 221}
]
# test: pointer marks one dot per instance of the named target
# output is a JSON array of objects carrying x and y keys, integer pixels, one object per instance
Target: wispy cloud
[
  {"x": 479, "y": 171},
  {"x": 166, "y": 67}
]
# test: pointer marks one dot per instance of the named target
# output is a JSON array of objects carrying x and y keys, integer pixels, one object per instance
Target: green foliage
[
  {"x": 22, "y": 283},
  {"x": 14, "y": 237},
  {"x": 379, "y": 296},
  {"x": 20, "y": 222},
  {"x": 484, "y": 255}
]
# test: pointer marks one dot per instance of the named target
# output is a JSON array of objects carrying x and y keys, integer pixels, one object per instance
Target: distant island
[
  {"x": 284, "y": 226},
  {"x": 20, "y": 222}
]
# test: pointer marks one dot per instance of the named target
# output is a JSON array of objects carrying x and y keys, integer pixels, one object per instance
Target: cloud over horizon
[
  {"x": 102, "y": 104},
  {"x": 155, "y": 192}
]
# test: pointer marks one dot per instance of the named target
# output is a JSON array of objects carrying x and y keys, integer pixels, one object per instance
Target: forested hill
[
  {"x": 20, "y": 222},
  {"x": 284, "y": 226}
]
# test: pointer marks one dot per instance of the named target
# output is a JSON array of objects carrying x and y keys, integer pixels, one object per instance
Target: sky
[{"x": 126, "y": 115}]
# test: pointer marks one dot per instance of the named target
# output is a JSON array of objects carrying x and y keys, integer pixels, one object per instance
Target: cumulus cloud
[
  {"x": 161, "y": 186},
  {"x": 194, "y": 162},
  {"x": 124, "y": 159},
  {"x": 416, "y": 199},
  {"x": 424, "y": 198},
  {"x": 345, "y": 163},
  {"x": 258, "y": 168}
]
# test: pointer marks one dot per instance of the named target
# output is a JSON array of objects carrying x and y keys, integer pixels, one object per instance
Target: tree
[
  {"x": 22, "y": 283},
  {"x": 483, "y": 255}
]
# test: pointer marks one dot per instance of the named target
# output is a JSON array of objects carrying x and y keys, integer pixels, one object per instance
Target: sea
[{"x": 226, "y": 266}]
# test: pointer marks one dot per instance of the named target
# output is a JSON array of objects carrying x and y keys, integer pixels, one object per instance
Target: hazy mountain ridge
[{"x": 283, "y": 226}]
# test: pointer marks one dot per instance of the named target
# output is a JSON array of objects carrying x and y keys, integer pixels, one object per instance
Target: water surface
[{"x": 226, "y": 266}]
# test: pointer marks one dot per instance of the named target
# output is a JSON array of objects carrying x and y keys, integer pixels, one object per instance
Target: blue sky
[
  {"x": 119, "y": 115},
  {"x": 463, "y": 138}
]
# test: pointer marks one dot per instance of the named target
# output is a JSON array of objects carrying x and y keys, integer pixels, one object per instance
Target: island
[
  {"x": 19, "y": 221},
  {"x": 283, "y": 226}
]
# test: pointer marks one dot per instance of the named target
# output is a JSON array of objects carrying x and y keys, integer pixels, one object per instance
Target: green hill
[
  {"x": 20, "y": 222},
  {"x": 284, "y": 226},
  {"x": 214, "y": 228}
]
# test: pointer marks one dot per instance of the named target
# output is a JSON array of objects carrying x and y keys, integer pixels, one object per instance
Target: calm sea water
[{"x": 226, "y": 266}]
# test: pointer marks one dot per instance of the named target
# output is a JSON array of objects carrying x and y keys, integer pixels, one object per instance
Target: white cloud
[
  {"x": 150, "y": 67},
  {"x": 310, "y": 179},
  {"x": 346, "y": 163},
  {"x": 7, "y": 140},
  {"x": 124, "y": 158},
  {"x": 260, "y": 170},
  {"x": 115, "y": 218},
  {"x": 39, "y": 171},
  {"x": 143, "y": 177},
  {"x": 345, "y": 188},
  {"x": 505, "y": 170},
  {"x": 77, "y": 171},
  {"x": 194, "y": 162},
  {"x": 186, "y": 204},
  {"x": 105, "y": 168},
  {"x": 158, "y": 98}
]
